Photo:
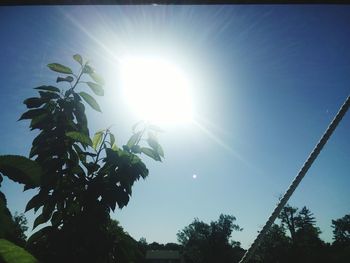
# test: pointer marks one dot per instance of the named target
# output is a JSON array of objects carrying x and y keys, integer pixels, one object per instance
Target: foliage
[
  {"x": 288, "y": 219},
  {"x": 11, "y": 228},
  {"x": 7, "y": 226},
  {"x": 80, "y": 180},
  {"x": 274, "y": 247},
  {"x": 126, "y": 248},
  {"x": 306, "y": 245},
  {"x": 204, "y": 242},
  {"x": 21, "y": 169},
  {"x": 341, "y": 237},
  {"x": 10, "y": 253},
  {"x": 341, "y": 231},
  {"x": 20, "y": 222}
]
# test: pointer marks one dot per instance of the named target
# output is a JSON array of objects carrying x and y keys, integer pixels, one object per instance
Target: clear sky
[{"x": 266, "y": 82}]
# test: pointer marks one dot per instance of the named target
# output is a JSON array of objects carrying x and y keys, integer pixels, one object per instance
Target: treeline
[{"x": 295, "y": 238}]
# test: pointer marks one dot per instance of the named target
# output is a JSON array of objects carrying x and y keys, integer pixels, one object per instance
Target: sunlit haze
[{"x": 156, "y": 90}]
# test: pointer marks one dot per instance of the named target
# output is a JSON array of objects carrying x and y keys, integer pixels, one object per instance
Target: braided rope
[{"x": 297, "y": 179}]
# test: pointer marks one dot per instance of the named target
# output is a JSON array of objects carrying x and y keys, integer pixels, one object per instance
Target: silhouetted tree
[
  {"x": 204, "y": 243},
  {"x": 20, "y": 228},
  {"x": 306, "y": 245},
  {"x": 288, "y": 218},
  {"x": 341, "y": 231},
  {"x": 275, "y": 246},
  {"x": 341, "y": 236}
]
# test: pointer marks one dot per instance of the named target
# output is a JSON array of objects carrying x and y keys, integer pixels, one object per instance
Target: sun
[{"x": 156, "y": 90}]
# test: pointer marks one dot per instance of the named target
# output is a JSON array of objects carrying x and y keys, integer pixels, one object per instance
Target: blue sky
[{"x": 267, "y": 81}]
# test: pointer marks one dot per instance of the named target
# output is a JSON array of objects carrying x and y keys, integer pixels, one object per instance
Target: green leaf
[
  {"x": 160, "y": 151},
  {"x": 97, "y": 140},
  {"x": 136, "y": 149},
  {"x": 49, "y": 95},
  {"x": 112, "y": 139},
  {"x": 67, "y": 79},
  {"x": 134, "y": 139},
  {"x": 11, "y": 253},
  {"x": 32, "y": 114},
  {"x": 60, "y": 68},
  {"x": 48, "y": 88},
  {"x": 41, "y": 219},
  {"x": 36, "y": 201},
  {"x": 114, "y": 147},
  {"x": 96, "y": 88},
  {"x": 21, "y": 169},
  {"x": 34, "y": 102},
  {"x": 38, "y": 234},
  {"x": 87, "y": 69},
  {"x": 97, "y": 78},
  {"x": 56, "y": 218},
  {"x": 151, "y": 153},
  {"x": 153, "y": 142},
  {"x": 78, "y": 58},
  {"x": 90, "y": 100},
  {"x": 37, "y": 120},
  {"x": 80, "y": 137}
]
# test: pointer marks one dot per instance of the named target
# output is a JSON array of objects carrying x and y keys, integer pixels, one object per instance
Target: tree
[
  {"x": 20, "y": 228},
  {"x": 210, "y": 242},
  {"x": 288, "y": 219},
  {"x": 80, "y": 180},
  {"x": 306, "y": 244},
  {"x": 274, "y": 247},
  {"x": 341, "y": 231},
  {"x": 126, "y": 248}
]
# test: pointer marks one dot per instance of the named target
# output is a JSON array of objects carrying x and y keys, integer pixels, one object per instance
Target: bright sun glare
[{"x": 156, "y": 90}]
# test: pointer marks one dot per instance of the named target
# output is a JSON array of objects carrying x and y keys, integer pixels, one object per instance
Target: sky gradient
[{"x": 267, "y": 80}]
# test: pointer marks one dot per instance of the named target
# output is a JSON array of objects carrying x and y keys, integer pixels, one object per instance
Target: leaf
[
  {"x": 112, "y": 139},
  {"x": 32, "y": 114},
  {"x": 38, "y": 234},
  {"x": 134, "y": 139},
  {"x": 49, "y": 95},
  {"x": 97, "y": 140},
  {"x": 41, "y": 219},
  {"x": 37, "y": 120},
  {"x": 21, "y": 169},
  {"x": 36, "y": 201},
  {"x": 78, "y": 58},
  {"x": 153, "y": 142},
  {"x": 48, "y": 88},
  {"x": 114, "y": 147},
  {"x": 60, "y": 68},
  {"x": 80, "y": 137},
  {"x": 34, "y": 102},
  {"x": 11, "y": 253},
  {"x": 87, "y": 69},
  {"x": 97, "y": 78},
  {"x": 67, "y": 79},
  {"x": 90, "y": 100},
  {"x": 96, "y": 88},
  {"x": 151, "y": 153},
  {"x": 160, "y": 151},
  {"x": 136, "y": 149},
  {"x": 56, "y": 218}
]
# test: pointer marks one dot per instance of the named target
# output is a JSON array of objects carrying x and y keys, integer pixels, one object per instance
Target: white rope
[{"x": 297, "y": 179}]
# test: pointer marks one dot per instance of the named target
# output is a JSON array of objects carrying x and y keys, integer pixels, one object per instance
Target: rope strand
[{"x": 297, "y": 179}]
